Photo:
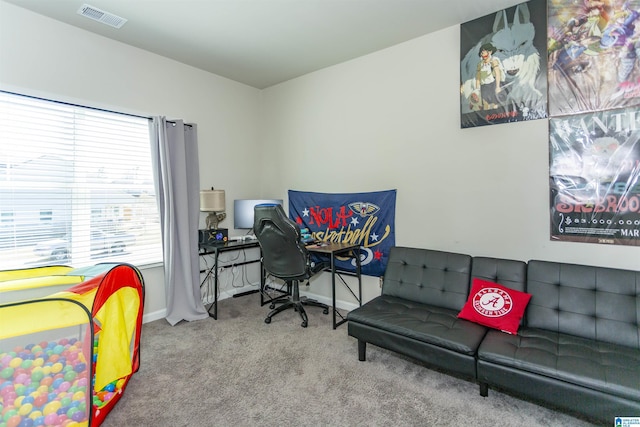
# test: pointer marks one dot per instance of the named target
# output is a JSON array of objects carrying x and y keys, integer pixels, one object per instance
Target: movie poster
[
  {"x": 593, "y": 53},
  {"x": 503, "y": 71},
  {"x": 367, "y": 219},
  {"x": 594, "y": 177}
]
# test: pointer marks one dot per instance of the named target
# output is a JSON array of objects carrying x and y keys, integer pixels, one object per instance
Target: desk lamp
[{"x": 212, "y": 201}]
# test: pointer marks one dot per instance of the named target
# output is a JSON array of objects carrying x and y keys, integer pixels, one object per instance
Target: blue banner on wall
[{"x": 367, "y": 219}]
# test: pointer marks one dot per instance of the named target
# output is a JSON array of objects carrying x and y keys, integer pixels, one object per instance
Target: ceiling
[{"x": 265, "y": 42}]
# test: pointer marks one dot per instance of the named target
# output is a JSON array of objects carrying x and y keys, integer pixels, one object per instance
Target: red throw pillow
[{"x": 496, "y": 306}]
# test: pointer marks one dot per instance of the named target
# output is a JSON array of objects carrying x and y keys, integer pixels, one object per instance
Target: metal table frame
[
  {"x": 215, "y": 250},
  {"x": 334, "y": 250}
]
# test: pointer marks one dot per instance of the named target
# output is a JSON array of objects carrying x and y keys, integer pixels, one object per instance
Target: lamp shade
[{"x": 212, "y": 201}]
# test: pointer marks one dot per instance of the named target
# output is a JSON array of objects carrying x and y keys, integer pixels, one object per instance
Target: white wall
[
  {"x": 43, "y": 57},
  {"x": 386, "y": 120},
  {"x": 391, "y": 120}
]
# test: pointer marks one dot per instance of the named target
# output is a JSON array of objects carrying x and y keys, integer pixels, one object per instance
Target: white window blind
[{"x": 76, "y": 186}]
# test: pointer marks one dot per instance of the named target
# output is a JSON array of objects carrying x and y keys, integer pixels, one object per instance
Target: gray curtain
[{"x": 175, "y": 160}]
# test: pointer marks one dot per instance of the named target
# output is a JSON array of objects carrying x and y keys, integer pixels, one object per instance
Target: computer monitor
[{"x": 243, "y": 211}]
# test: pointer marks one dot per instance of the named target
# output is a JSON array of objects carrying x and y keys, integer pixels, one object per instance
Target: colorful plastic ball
[
  {"x": 20, "y": 378},
  {"x": 14, "y": 421},
  {"x": 51, "y": 407},
  {"x": 37, "y": 374},
  {"x": 9, "y": 393},
  {"x": 25, "y": 409},
  {"x": 6, "y": 359},
  {"x": 26, "y": 422},
  {"x": 8, "y": 414},
  {"x": 71, "y": 411},
  {"x": 40, "y": 400},
  {"x": 6, "y": 387},
  {"x": 78, "y": 416},
  {"x": 56, "y": 383},
  {"x": 66, "y": 401},
  {"x": 7, "y": 373},
  {"x": 46, "y": 382},
  {"x": 21, "y": 389},
  {"x": 35, "y": 415},
  {"x": 15, "y": 362},
  {"x": 51, "y": 419}
]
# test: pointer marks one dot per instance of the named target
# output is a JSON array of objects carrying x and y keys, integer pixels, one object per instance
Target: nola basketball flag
[{"x": 367, "y": 219}]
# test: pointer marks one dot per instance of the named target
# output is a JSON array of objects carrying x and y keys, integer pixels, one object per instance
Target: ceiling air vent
[{"x": 101, "y": 16}]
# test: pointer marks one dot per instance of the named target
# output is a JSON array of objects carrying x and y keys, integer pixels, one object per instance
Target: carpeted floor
[{"x": 239, "y": 371}]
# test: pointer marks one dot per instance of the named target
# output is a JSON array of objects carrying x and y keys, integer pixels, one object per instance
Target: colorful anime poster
[
  {"x": 594, "y": 177},
  {"x": 503, "y": 71},
  {"x": 593, "y": 55}
]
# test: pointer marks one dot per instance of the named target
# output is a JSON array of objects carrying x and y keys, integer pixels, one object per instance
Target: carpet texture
[{"x": 239, "y": 371}]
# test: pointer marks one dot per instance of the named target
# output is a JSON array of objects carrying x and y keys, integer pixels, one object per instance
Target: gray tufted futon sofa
[{"x": 577, "y": 349}]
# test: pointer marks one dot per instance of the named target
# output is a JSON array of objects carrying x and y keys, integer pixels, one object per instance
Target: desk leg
[
  {"x": 358, "y": 254},
  {"x": 215, "y": 288},
  {"x": 333, "y": 287},
  {"x": 354, "y": 253},
  {"x": 263, "y": 280}
]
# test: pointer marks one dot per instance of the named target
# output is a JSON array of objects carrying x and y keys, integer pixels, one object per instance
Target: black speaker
[{"x": 209, "y": 237}]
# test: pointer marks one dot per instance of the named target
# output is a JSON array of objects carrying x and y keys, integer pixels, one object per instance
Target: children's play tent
[{"x": 67, "y": 356}]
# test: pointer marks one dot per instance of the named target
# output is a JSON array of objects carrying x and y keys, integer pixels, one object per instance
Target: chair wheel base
[
  {"x": 325, "y": 311},
  {"x": 267, "y": 320},
  {"x": 303, "y": 324}
]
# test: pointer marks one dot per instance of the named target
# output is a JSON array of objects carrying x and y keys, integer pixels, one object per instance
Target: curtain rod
[{"x": 84, "y": 106}]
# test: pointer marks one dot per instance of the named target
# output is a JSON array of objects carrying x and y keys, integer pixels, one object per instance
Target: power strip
[{"x": 242, "y": 238}]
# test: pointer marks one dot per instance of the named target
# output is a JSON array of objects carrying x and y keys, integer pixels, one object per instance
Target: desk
[
  {"x": 215, "y": 249},
  {"x": 334, "y": 250}
]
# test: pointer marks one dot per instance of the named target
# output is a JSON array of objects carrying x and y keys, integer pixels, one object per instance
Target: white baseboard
[{"x": 156, "y": 315}]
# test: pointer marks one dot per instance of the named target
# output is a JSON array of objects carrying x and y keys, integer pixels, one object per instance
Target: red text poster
[{"x": 594, "y": 177}]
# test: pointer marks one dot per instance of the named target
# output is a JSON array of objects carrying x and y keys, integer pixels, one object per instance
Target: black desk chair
[{"x": 284, "y": 256}]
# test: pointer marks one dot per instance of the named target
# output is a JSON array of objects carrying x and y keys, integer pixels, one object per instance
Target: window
[
  {"x": 46, "y": 215},
  {"x": 76, "y": 186}
]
